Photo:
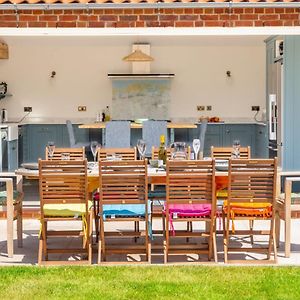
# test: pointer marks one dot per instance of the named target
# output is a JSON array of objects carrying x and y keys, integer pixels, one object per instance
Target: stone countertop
[{"x": 53, "y": 121}]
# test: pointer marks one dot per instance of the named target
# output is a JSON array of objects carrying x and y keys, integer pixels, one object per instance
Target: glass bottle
[
  {"x": 162, "y": 151},
  {"x": 107, "y": 114}
]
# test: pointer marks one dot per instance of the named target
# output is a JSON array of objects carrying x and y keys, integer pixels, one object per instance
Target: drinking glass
[
  {"x": 94, "y": 148},
  {"x": 179, "y": 152},
  {"x": 196, "y": 147},
  {"x": 50, "y": 149},
  {"x": 65, "y": 156},
  {"x": 141, "y": 145},
  {"x": 236, "y": 145}
]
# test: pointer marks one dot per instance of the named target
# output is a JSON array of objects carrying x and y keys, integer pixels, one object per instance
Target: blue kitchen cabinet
[
  {"x": 261, "y": 141},
  {"x": 37, "y": 138},
  {"x": 242, "y": 132},
  {"x": 213, "y": 137}
]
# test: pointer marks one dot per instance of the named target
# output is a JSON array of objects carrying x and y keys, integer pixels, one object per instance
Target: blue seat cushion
[{"x": 124, "y": 210}]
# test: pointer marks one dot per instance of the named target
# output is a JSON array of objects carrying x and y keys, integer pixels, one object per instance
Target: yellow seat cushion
[
  {"x": 65, "y": 209},
  {"x": 222, "y": 194},
  {"x": 249, "y": 209}
]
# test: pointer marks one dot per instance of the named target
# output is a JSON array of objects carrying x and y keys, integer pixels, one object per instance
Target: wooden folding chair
[
  {"x": 11, "y": 203},
  {"x": 73, "y": 153},
  {"x": 123, "y": 197},
  {"x": 169, "y": 152},
  {"x": 288, "y": 208},
  {"x": 251, "y": 196},
  {"x": 63, "y": 197},
  {"x": 190, "y": 198},
  {"x": 226, "y": 152},
  {"x": 124, "y": 153}
]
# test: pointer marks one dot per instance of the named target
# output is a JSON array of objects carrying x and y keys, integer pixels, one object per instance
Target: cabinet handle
[{"x": 227, "y": 131}]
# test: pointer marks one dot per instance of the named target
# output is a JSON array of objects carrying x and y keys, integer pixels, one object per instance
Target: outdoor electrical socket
[
  {"x": 27, "y": 108},
  {"x": 200, "y": 107},
  {"x": 255, "y": 108},
  {"x": 208, "y": 107},
  {"x": 81, "y": 108}
]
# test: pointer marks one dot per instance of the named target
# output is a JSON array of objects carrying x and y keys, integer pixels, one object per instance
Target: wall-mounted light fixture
[
  {"x": 228, "y": 73},
  {"x": 138, "y": 55},
  {"x": 53, "y": 73}
]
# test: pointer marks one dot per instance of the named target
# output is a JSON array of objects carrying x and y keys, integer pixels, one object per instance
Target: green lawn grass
[{"x": 151, "y": 282}]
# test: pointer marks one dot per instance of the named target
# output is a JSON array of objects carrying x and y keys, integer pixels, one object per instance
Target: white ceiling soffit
[{"x": 203, "y": 31}]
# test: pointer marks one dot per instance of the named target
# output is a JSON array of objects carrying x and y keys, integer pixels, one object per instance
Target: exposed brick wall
[{"x": 189, "y": 17}]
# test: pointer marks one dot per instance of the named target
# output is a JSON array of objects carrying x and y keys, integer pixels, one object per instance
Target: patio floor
[{"x": 28, "y": 254}]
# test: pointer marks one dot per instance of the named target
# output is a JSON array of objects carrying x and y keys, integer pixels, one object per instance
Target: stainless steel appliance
[
  {"x": 9, "y": 148},
  {"x": 275, "y": 99}
]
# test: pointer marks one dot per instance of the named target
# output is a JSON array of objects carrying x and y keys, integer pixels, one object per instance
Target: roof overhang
[
  {"x": 150, "y": 4},
  {"x": 153, "y": 31}
]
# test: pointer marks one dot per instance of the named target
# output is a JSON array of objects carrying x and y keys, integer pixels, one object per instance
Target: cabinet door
[
  {"x": 38, "y": 138},
  {"x": 244, "y": 133},
  {"x": 213, "y": 137},
  {"x": 261, "y": 138}
]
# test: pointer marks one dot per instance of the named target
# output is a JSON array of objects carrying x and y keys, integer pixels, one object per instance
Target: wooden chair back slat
[
  {"x": 125, "y": 153},
  {"x": 169, "y": 153},
  {"x": 191, "y": 182},
  {"x": 252, "y": 180},
  {"x": 225, "y": 152},
  {"x": 123, "y": 182},
  {"x": 63, "y": 182},
  {"x": 74, "y": 153}
]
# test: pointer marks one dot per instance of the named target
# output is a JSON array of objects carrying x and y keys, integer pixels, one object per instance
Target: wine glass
[
  {"x": 236, "y": 149},
  {"x": 196, "y": 147},
  {"x": 50, "y": 149},
  {"x": 141, "y": 145},
  {"x": 94, "y": 148}
]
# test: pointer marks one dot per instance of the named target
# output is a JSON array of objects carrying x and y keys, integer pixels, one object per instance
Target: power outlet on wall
[
  {"x": 200, "y": 107},
  {"x": 27, "y": 108},
  {"x": 208, "y": 107},
  {"x": 81, "y": 108},
  {"x": 255, "y": 108}
]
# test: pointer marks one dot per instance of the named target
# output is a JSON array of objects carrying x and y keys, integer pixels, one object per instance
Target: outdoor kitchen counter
[{"x": 101, "y": 125}]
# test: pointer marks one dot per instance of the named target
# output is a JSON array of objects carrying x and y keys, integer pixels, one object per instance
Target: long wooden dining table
[{"x": 155, "y": 176}]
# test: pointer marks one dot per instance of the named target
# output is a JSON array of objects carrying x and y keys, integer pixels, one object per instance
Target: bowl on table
[{"x": 156, "y": 163}]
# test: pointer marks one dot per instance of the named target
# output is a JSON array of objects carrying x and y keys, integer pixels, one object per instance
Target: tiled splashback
[{"x": 140, "y": 98}]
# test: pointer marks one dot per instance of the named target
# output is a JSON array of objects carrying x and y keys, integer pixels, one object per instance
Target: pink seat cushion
[{"x": 190, "y": 210}]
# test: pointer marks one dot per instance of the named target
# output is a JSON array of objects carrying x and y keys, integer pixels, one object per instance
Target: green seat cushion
[
  {"x": 3, "y": 197},
  {"x": 65, "y": 209}
]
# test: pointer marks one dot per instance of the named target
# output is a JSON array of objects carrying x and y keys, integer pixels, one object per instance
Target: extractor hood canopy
[{"x": 142, "y": 75}]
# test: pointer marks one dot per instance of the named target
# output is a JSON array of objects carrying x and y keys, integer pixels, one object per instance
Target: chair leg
[
  {"x": 10, "y": 231},
  {"x": 99, "y": 244},
  {"x": 44, "y": 234},
  {"x": 102, "y": 237},
  {"x": 166, "y": 239},
  {"x": 287, "y": 236},
  {"x": 211, "y": 242},
  {"x": 251, "y": 225},
  {"x": 90, "y": 238},
  {"x": 136, "y": 229},
  {"x": 215, "y": 247},
  {"x": 277, "y": 229},
  {"x": 96, "y": 211},
  {"x": 20, "y": 225},
  {"x": 225, "y": 237},
  {"x": 274, "y": 243},
  {"x": 41, "y": 250}
]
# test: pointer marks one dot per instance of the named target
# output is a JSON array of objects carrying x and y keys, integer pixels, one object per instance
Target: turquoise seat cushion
[
  {"x": 157, "y": 194},
  {"x": 3, "y": 197},
  {"x": 124, "y": 210},
  {"x": 65, "y": 209}
]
